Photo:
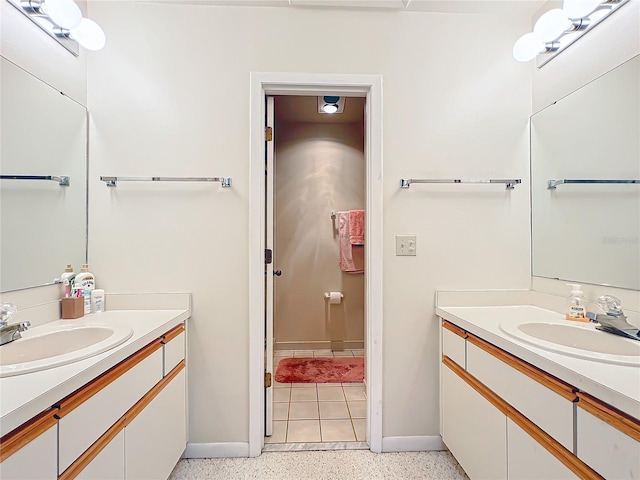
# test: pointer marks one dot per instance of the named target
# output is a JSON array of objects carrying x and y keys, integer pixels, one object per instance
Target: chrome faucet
[
  {"x": 9, "y": 333},
  {"x": 614, "y": 320}
]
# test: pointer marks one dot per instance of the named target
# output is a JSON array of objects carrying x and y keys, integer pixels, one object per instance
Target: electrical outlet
[{"x": 405, "y": 245}]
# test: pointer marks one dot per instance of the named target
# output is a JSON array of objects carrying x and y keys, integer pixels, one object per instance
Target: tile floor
[{"x": 317, "y": 412}]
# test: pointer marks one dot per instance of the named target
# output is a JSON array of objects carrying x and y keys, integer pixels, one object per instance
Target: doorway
[
  {"x": 317, "y": 180},
  {"x": 369, "y": 88}
]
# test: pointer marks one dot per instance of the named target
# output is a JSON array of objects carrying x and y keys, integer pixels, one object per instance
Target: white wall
[
  {"x": 319, "y": 168},
  {"x": 611, "y": 43},
  {"x": 169, "y": 95}
]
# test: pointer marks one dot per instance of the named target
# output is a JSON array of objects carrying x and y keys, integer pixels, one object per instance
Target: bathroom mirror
[
  {"x": 589, "y": 232},
  {"x": 43, "y": 225}
]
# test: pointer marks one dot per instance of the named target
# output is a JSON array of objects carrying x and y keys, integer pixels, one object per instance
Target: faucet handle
[
  {"x": 7, "y": 311},
  {"x": 610, "y": 304}
]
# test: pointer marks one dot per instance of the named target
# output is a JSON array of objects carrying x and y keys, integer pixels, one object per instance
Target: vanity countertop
[
  {"x": 24, "y": 396},
  {"x": 617, "y": 385}
]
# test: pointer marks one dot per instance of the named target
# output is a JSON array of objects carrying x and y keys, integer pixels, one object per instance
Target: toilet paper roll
[{"x": 335, "y": 298}]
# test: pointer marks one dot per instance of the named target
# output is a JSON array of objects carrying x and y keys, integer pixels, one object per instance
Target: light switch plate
[{"x": 405, "y": 245}]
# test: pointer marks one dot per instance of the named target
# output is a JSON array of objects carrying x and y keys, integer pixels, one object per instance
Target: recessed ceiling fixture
[
  {"x": 62, "y": 20},
  {"x": 558, "y": 28},
  {"x": 330, "y": 104}
]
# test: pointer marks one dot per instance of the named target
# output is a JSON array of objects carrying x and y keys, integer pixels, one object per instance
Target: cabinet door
[
  {"x": 528, "y": 460},
  {"x": 157, "y": 437},
  {"x": 36, "y": 460},
  {"x": 473, "y": 429},
  {"x": 109, "y": 464}
]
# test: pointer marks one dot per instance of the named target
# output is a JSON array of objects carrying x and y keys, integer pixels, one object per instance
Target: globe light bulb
[
  {"x": 527, "y": 47},
  {"x": 64, "y": 13},
  {"x": 330, "y": 108},
  {"x": 576, "y": 9},
  {"x": 552, "y": 25},
  {"x": 89, "y": 35}
]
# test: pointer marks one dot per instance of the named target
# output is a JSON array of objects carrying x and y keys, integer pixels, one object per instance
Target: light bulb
[
  {"x": 64, "y": 13},
  {"x": 576, "y": 9},
  {"x": 527, "y": 47},
  {"x": 89, "y": 35},
  {"x": 330, "y": 108},
  {"x": 552, "y": 25}
]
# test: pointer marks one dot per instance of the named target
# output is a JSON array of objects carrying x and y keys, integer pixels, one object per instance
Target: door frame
[{"x": 275, "y": 83}]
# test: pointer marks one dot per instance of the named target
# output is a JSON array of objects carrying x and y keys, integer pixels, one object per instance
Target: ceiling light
[
  {"x": 331, "y": 104},
  {"x": 527, "y": 47},
  {"x": 330, "y": 108},
  {"x": 64, "y": 13}
]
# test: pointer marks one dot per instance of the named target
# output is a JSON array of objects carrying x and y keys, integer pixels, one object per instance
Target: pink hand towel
[
  {"x": 351, "y": 257},
  {"x": 356, "y": 227}
]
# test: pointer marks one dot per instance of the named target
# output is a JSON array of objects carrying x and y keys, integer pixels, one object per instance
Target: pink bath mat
[{"x": 321, "y": 370}]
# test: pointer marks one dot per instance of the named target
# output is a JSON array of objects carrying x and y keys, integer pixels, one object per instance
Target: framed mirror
[
  {"x": 43, "y": 224},
  {"x": 583, "y": 230}
]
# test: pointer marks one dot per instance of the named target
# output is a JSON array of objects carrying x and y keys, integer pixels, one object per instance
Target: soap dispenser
[{"x": 576, "y": 309}]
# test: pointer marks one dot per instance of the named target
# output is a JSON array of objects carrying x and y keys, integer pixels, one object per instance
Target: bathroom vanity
[
  {"x": 518, "y": 408},
  {"x": 118, "y": 414}
]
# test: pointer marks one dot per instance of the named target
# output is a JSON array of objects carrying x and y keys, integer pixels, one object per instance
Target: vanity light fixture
[
  {"x": 558, "y": 28},
  {"x": 62, "y": 20}
]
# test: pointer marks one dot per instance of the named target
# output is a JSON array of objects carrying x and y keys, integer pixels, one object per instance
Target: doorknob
[{"x": 277, "y": 273}]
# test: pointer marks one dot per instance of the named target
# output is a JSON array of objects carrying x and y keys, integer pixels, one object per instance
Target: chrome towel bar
[
  {"x": 510, "y": 183},
  {"x": 552, "y": 184},
  {"x": 113, "y": 181},
  {"x": 62, "y": 180}
]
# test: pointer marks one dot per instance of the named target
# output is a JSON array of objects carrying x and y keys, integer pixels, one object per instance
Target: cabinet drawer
[
  {"x": 174, "y": 349},
  {"x": 608, "y": 450},
  {"x": 84, "y": 424},
  {"x": 454, "y": 343},
  {"x": 546, "y": 408}
]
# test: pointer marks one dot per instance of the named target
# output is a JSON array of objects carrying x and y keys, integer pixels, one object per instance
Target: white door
[{"x": 268, "y": 268}]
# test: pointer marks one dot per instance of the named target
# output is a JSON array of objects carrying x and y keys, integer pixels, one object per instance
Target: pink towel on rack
[
  {"x": 356, "y": 227},
  {"x": 351, "y": 256}
]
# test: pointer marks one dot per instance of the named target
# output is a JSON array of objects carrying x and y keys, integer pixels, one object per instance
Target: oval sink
[
  {"x": 582, "y": 341},
  {"x": 40, "y": 350}
]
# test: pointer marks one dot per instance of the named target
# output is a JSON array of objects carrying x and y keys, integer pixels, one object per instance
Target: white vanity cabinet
[
  {"x": 30, "y": 451},
  {"x": 127, "y": 423},
  {"x": 503, "y": 418}
]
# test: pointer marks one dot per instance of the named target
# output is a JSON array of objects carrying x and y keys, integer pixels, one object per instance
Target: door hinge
[
  {"x": 267, "y": 379},
  {"x": 268, "y": 134},
  {"x": 268, "y": 256}
]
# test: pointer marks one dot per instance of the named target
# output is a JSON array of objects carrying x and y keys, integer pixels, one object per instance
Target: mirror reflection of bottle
[{"x": 85, "y": 282}]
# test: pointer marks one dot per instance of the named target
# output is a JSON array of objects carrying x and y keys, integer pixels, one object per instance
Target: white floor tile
[
  {"x": 304, "y": 395},
  {"x": 354, "y": 393},
  {"x": 333, "y": 410},
  {"x": 303, "y": 431},
  {"x": 323, "y": 353},
  {"x": 281, "y": 394},
  {"x": 358, "y": 409},
  {"x": 342, "y": 353},
  {"x": 279, "y": 433},
  {"x": 337, "y": 431},
  {"x": 303, "y": 385},
  {"x": 280, "y": 411},
  {"x": 303, "y": 411},
  {"x": 330, "y": 394},
  {"x": 303, "y": 353},
  {"x": 360, "y": 425}
]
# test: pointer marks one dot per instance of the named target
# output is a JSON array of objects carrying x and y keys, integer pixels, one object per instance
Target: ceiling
[
  {"x": 527, "y": 7},
  {"x": 291, "y": 108}
]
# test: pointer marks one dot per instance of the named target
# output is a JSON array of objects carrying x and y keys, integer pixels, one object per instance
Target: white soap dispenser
[{"x": 576, "y": 309}]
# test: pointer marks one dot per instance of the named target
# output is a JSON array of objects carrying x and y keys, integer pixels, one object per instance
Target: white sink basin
[
  {"x": 49, "y": 346},
  {"x": 578, "y": 340}
]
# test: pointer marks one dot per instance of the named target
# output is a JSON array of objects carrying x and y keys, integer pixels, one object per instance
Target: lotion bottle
[
  {"x": 576, "y": 309},
  {"x": 85, "y": 282}
]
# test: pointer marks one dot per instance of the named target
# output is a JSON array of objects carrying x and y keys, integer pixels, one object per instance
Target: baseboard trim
[
  {"x": 413, "y": 444},
  {"x": 320, "y": 345},
  {"x": 216, "y": 450}
]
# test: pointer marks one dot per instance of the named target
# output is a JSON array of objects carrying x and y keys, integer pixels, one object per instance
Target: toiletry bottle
[
  {"x": 67, "y": 274},
  {"x": 85, "y": 282},
  {"x": 576, "y": 308},
  {"x": 97, "y": 301}
]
